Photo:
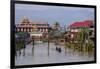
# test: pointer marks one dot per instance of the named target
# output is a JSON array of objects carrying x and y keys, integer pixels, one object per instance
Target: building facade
[
  {"x": 77, "y": 27},
  {"x": 35, "y": 29},
  {"x": 26, "y": 26}
]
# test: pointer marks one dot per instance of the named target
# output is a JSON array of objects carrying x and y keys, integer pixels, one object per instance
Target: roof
[
  {"x": 81, "y": 24},
  {"x": 25, "y": 20},
  {"x": 39, "y": 23},
  {"x": 28, "y": 26}
]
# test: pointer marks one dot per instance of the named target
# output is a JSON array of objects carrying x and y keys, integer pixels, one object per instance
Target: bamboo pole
[
  {"x": 48, "y": 46},
  {"x": 33, "y": 48}
]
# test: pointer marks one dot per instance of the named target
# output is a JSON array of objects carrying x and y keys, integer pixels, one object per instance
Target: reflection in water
[{"x": 41, "y": 55}]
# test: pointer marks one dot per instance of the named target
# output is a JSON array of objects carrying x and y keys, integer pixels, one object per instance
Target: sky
[{"x": 51, "y": 14}]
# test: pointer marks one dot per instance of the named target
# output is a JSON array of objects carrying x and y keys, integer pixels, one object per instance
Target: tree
[
  {"x": 56, "y": 26},
  {"x": 83, "y": 36}
]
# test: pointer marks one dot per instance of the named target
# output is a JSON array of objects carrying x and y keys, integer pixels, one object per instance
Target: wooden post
[
  {"x": 24, "y": 49},
  {"x": 48, "y": 46},
  {"x": 48, "y": 41},
  {"x": 65, "y": 50},
  {"x": 33, "y": 48},
  {"x": 23, "y": 52},
  {"x": 65, "y": 45}
]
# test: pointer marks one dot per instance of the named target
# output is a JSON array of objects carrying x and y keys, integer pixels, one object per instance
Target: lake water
[{"x": 41, "y": 55}]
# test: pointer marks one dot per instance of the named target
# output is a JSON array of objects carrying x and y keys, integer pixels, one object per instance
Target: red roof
[{"x": 81, "y": 24}]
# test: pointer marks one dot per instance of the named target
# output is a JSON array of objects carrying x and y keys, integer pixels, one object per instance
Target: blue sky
[{"x": 64, "y": 15}]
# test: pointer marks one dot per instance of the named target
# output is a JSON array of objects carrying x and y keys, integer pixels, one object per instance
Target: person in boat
[{"x": 59, "y": 49}]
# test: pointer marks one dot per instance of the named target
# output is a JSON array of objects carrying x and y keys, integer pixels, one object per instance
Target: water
[{"x": 40, "y": 55}]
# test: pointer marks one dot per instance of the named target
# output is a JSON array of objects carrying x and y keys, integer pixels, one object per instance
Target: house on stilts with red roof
[{"x": 77, "y": 27}]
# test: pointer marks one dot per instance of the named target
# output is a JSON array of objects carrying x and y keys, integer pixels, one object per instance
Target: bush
[{"x": 19, "y": 45}]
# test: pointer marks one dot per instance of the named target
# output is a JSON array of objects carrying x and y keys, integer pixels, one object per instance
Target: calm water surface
[{"x": 41, "y": 55}]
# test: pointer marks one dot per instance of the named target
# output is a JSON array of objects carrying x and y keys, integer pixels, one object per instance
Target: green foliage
[
  {"x": 19, "y": 44},
  {"x": 57, "y": 24},
  {"x": 83, "y": 35},
  {"x": 45, "y": 40}
]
